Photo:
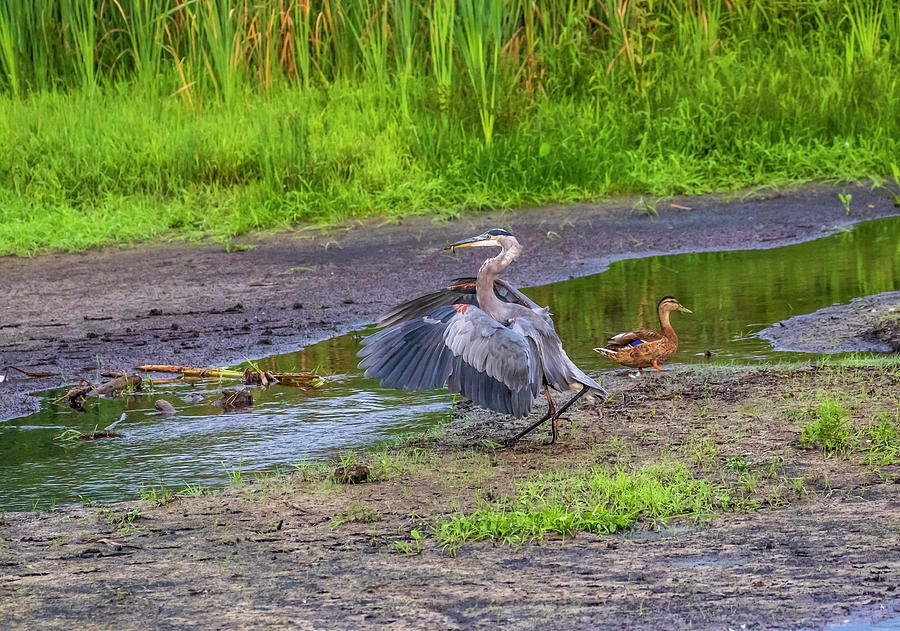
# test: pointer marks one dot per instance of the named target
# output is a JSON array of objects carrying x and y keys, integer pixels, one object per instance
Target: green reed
[
  {"x": 150, "y": 112},
  {"x": 442, "y": 19}
]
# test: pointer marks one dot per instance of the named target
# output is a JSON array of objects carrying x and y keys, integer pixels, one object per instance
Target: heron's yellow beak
[{"x": 479, "y": 241}]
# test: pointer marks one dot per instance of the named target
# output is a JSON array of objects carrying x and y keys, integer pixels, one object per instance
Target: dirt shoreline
[
  {"x": 301, "y": 552},
  {"x": 200, "y": 305}
]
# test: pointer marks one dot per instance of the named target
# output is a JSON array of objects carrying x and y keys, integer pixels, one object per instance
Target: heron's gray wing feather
[
  {"x": 411, "y": 355},
  {"x": 459, "y": 291},
  {"x": 473, "y": 354},
  {"x": 500, "y": 352},
  {"x": 487, "y": 391},
  {"x": 559, "y": 371},
  {"x": 508, "y": 293}
]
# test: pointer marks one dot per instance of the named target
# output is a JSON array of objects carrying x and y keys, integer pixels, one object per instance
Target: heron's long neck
[
  {"x": 490, "y": 270},
  {"x": 665, "y": 326}
]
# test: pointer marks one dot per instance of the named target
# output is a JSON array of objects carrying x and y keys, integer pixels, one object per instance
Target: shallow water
[{"x": 732, "y": 294}]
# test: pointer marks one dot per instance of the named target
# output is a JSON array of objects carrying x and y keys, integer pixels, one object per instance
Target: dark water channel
[{"x": 732, "y": 294}]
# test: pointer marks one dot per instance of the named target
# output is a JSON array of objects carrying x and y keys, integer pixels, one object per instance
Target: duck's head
[{"x": 670, "y": 303}]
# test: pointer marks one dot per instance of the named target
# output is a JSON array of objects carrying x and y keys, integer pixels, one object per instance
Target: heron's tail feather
[
  {"x": 606, "y": 352},
  {"x": 588, "y": 382}
]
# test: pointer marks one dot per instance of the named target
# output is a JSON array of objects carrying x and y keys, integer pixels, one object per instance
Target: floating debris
[
  {"x": 99, "y": 435},
  {"x": 250, "y": 376},
  {"x": 76, "y": 395},
  {"x": 121, "y": 382},
  {"x": 27, "y": 373},
  {"x": 71, "y": 434},
  {"x": 234, "y": 399}
]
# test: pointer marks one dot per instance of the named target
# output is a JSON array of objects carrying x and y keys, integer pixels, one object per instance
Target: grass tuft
[
  {"x": 830, "y": 427},
  {"x": 588, "y": 500}
]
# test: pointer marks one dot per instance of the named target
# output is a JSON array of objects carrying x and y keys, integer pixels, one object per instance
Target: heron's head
[
  {"x": 494, "y": 237},
  {"x": 669, "y": 303}
]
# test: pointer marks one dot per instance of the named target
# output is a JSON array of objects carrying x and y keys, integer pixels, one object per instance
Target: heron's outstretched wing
[
  {"x": 459, "y": 291},
  {"x": 493, "y": 365},
  {"x": 559, "y": 371}
]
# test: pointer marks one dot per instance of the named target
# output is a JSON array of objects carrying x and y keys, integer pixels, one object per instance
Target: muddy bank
[
  {"x": 199, "y": 305},
  {"x": 301, "y": 552},
  {"x": 869, "y": 323}
]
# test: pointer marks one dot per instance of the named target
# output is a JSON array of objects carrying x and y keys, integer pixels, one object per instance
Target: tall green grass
[{"x": 142, "y": 119}]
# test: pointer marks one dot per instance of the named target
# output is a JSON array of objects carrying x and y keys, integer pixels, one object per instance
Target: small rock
[
  {"x": 165, "y": 408},
  {"x": 155, "y": 312},
  {"x": 351, "y": 474}
]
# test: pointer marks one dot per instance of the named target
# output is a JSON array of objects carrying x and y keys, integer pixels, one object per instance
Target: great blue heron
[{"x": 481, "y": 338}]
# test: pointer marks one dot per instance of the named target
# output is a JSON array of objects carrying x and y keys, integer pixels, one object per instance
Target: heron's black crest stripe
[{"x": 498, "y": 232}]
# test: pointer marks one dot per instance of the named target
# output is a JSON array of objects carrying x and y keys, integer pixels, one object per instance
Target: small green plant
[
  {"x": 845, "y": 200},
  {"x": 192, "y": 490},
  {"x": 798, "y": 485},
  {"x": 410, "y": 549},
  {"x": 403, "y": 547},
  {"x": 701, "y": 452},
  {"x": 736, "y": 463},
  {"x": 235, "y": 473},
  {"x": 349, "y": 458},
  {"x": 749, "y": 481},
  {"x": 645, "y": 207},
  {"x": 125, "y": 523},
  {"x": 161, "y": 496},
  {"x": 830, "y": 427},
  {"x": 364, "y": 514},
  {"x": 69, "y": 435},
  {"x": 882, "y": 437}
]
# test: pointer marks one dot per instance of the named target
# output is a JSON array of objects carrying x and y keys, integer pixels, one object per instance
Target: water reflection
[{"x": 732, "y": 294}]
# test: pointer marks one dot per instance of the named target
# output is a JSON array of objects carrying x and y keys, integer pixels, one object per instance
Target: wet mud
[{"x": 868, "y": 323}]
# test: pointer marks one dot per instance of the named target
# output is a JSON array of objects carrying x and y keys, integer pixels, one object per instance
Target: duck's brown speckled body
[{"x": 642, "y": 348}]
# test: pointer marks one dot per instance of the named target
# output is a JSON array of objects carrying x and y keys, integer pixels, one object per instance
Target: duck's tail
[{"x": 606, "y": 352}]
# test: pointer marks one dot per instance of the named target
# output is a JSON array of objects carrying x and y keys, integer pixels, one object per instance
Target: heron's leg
[
  {"x": 560, "y": 411},
  {"x": 549, "y": 400},
  {"x": 530, "y": 428},
  {"x": 547, "y": 416},
  {"x": 552, "y": 410}
]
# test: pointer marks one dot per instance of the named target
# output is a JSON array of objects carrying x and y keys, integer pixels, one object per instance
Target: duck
[{"x": 643, "y": 348}]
